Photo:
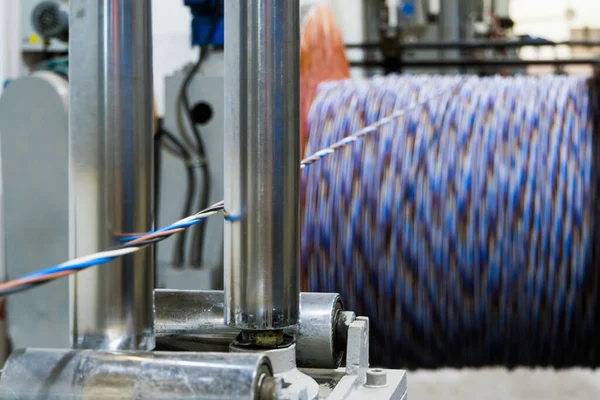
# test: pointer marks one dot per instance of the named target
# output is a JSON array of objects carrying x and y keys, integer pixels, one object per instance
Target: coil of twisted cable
[{"x": 465, "y": 228}]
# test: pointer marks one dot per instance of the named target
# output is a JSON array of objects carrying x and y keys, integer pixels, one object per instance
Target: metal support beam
[
  {"x": 110, "y": 139},
  {"x": 262, "y": 153}
]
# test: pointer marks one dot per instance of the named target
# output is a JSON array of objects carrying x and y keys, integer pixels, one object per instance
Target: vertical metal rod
[
  {"x": 450, "y": 27},
  {"x": 111, "y": 140},
  {"x": 262, "y": 51}
]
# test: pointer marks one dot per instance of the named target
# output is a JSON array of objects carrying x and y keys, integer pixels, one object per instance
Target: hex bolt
[{"x": 376, "y": 378}]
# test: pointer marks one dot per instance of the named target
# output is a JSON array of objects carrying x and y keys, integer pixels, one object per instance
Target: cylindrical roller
[
  {"x": 262, "y": 151},
  {"x": 316, "y": 338},
  {"x": 88, "y": 374},
  {"x": 193, "y": 320},
  {"x": 110, "y": 139}
]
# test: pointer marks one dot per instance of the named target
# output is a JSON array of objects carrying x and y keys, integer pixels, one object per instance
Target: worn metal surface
[
  {"x": 34, "y": 155},
  {"x": 295, "y": 384},
  {"x": 350, "y": 388},
  {"x": 110, "y": 132},
  {"x": 357, "y": 349},
  {"x": 194, "y": 320},
  {"x": 316, "y": 339},
  {"x": 263, "y": 154},
  {"x": 356, "y": 381},
  {"x": 88, "y": 374}
]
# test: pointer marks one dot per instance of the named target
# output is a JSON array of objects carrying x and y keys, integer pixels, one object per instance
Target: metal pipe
[
  {"x": 88, "y": 374},
  {"x": 450, "y": 26},
  {"x": 444, "y": 63},
  {"x": 478, "y": 44},
  {"x": 193, "y": 320},
  {"x": 110, "y": 138},
  {"x": 262, "y": 151}
]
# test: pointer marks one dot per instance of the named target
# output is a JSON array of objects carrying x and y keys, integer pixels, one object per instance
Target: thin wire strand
[{"x": 75, "y": 265}]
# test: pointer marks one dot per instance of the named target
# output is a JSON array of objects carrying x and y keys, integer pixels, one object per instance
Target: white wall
[
  {"x": 549, "y": 18},
  {"x": 10, "y": 61},
  {"x": 546, "y": 18},
  {"x": 587, "y": 13},
  {"x": 171, "y": 25},
  {"x": 553, "y": 19}
]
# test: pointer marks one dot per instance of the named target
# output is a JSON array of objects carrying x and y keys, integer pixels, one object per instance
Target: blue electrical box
[{"x": 205, "y": 13}]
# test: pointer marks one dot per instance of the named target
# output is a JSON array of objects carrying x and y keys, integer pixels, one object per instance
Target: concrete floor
[{"x": 498, "y": 384}]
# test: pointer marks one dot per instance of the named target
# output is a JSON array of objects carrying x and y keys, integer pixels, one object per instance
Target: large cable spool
[{"x": 464, "y": 226}]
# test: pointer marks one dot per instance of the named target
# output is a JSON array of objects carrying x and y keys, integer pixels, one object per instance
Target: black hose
[{"x": 197, "y": 249}]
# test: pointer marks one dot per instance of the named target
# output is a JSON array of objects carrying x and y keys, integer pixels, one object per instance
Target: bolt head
[{"x": 376, "y": 378}]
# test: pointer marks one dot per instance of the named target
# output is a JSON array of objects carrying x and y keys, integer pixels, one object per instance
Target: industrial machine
[
  {"x": 260, "y": 338},
  {"x": 211, "y": 306}
]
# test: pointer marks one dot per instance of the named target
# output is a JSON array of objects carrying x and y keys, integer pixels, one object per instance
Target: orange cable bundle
[{"x": 322, "y": 58}]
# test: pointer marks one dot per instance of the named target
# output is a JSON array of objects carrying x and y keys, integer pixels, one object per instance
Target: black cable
[
  {"x": 183, "y": 103},
  {"x": 199, "y": 232},
  {"x": 179, "y": 247}
]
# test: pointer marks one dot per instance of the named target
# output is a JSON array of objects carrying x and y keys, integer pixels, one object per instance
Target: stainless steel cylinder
[
  {"x": 316, "y": 338},
  {"x": 110, "y": 139},
  {"x": 193, "y": 320},
  {"x": 262, "y": 153},
  {"x": 89, "y": 374}
]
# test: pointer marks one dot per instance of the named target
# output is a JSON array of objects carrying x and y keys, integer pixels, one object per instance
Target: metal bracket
[{"x": 359, "y": 382}]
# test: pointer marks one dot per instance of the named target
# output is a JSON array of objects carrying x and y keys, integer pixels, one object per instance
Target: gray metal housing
[{"x": 34, "y": 156}]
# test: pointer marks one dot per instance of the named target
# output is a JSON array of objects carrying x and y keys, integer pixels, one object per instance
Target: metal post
[
  {"x": 262, "y": 156},
  {"x": 111, "y": 129},
  {"x": 450, "y": 27}
]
